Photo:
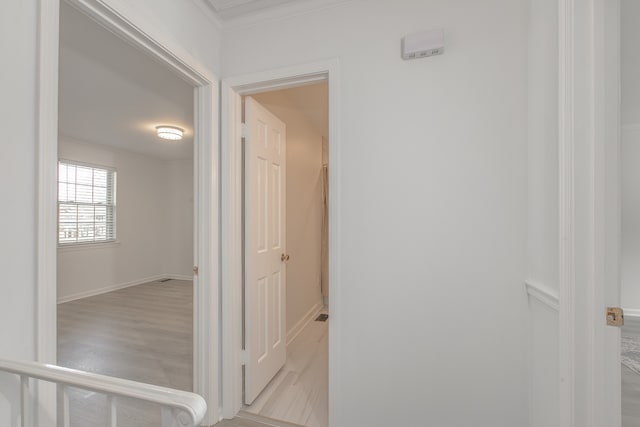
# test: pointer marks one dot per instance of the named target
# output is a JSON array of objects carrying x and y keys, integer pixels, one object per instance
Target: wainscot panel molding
[
  {"x": 632, "y": 314},
  {"x": 302, "y": 323},
  {"x": 543, "y": 294}
]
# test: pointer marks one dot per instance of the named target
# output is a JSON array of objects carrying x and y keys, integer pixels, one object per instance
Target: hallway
[{"x": 298, "y": 393}]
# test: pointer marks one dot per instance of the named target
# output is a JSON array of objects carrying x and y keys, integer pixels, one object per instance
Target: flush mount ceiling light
[{"x": 169, "y": 132}]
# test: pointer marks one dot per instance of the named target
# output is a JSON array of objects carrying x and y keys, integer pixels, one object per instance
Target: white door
[{"x": 265, "y": 259}]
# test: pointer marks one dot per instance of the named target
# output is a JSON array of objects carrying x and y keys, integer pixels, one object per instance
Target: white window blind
[{"x": 86, "y": 203}]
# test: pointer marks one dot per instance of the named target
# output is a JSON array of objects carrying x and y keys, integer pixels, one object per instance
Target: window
[{"x": 86, "y": 203}]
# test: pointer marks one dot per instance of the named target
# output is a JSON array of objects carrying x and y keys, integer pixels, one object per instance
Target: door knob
[
  {"x": 284, "y": 257},
  {"x": 615, "y": 316}
]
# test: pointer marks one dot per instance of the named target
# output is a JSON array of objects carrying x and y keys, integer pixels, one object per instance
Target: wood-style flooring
[
  {"x": 298, "y": 394},
  {"x": 242, "y": 421},
  {"x": 630, "y": 382},
  {"x": 145, "y": 333},
  {"x": 142, "y": 333}
]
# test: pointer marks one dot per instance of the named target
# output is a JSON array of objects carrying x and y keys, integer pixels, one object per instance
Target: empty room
[{"x": 126, "y": 213}]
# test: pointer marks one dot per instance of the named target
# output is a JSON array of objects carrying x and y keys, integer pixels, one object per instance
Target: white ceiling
[
  {"x": 228, "y": 9},
  {"x": 111, "y": 93},
  {"x": 313, "y": 101},
  {"x": 233, "y": 12}
]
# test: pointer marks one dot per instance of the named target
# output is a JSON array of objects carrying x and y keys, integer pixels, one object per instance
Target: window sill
[{"x": 87, "y": 246}]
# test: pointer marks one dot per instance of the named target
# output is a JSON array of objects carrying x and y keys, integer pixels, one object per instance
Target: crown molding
[
  {"x": 278, "y": 12},
  {"x": 209, "y": 12}
]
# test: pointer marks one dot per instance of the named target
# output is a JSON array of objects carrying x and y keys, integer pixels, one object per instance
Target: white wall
[
  {"x": 180, "y": 213},
  {"x": 154, "y": 224},
  {"x": 630, "y": 254},
  {"x": 304, "y": 206},
  {"x": 18, "y": 31},
  {"x": 630, "y": 154},
  {"x": 543, "y": 210},
  {"x": 432, "y": 207},
  {"x": 17, "y": 188}
]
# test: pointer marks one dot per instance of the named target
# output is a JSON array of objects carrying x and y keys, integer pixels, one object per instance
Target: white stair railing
[{"x": 179, "y": 408}]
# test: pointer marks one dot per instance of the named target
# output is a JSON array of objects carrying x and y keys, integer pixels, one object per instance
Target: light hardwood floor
[
  {"x": 250, "y": 422},
  {"x": 630, "y": 382},
  {"x": 145, "y": 333},
  {"x": 142, "y": 333},
  {"x": 299, "y": 392}
]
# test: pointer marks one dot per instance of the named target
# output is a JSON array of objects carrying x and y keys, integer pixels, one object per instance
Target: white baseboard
[
  {"x": 111, "y": 288},
  {"x": 178, "y": 277},
  {"x": 298, "y": 327}
]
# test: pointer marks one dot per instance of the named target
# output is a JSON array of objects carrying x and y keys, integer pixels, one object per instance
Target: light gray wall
[
  {"x": 154, "y": 224},
  {"x": 17, "y": 188},
  {"x": 432, "y": 206},
  {"x": 630, "y": 156},
  {"x": 630, "y": 255},
  {"x": 304, "y": 206},
  {"x": 543, "y": 240},
  {"x": 180, "y": 213},
  {"x": 18, "y": 161}
]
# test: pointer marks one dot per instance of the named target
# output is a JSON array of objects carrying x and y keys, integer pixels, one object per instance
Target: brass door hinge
[{"x": 615, "y": 316}]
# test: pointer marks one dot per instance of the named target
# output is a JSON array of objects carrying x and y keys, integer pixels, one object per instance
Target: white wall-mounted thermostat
[{"x": 423, "y": 44}]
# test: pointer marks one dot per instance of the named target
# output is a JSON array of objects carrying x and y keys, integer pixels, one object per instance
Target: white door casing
[
  {"x": 232, "y": 222},
  {"x": 265, "y": 239},
  {"x": 589, "y": 227}
]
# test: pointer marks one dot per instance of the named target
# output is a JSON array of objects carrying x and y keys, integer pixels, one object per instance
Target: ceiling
[
  {"x": 110, "y": 93},
  {"x": 229, "y": 9},
  {"x": 313, "y": 102},
  {"x": 232, "y": 12}
]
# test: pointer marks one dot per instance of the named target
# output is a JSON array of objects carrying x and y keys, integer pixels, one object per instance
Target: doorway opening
[
  {"x": 201, "y": 84},
  {"x": 629, "y": 272},
  {"x": 234, "y": 356},
  {"x": 286, "y": 284},
  {"x": 125, "y": 217}
]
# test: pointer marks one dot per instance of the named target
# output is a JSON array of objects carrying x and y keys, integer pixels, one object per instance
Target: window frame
[{"x": 93, "y": 243}]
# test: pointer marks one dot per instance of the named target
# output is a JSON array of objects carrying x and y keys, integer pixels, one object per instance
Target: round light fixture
[{"x": 169, "y": 132}]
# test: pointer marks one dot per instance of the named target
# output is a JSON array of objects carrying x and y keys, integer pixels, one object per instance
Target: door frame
[
  {"x": 134, "y": 28},
  {"x": 232, "y": 89},
  {"x": 589, "y": 211}
]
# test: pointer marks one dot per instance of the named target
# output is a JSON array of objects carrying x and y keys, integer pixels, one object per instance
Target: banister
[{"x": 185, "y": 402}]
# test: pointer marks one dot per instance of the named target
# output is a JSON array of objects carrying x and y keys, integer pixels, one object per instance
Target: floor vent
[
  {"x": 164, "y": 280},
  {"x": 322, "y": 318}
]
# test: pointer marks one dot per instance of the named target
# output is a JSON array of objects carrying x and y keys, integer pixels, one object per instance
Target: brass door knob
[{"x": 284, "y": 257}]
